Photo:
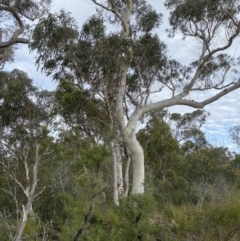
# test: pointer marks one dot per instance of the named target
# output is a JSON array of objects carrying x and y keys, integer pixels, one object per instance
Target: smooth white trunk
[
  {"x": 137, "y": 161},
  {"x": 138, "y": 170}
]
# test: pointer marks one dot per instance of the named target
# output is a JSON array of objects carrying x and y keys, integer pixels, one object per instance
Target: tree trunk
[
  {"x": 120, "y": 185},
  {"x": 126, "y": 176},
  {"x": 115, "y": 188},
  {"x": 137, "y": 161},
  {"x": 26, "y": 211}
]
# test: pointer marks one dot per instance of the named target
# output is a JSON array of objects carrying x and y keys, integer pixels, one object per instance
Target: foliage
[
  {"x": 190, "y": 195},
  {"x": 192, "y": 187},
  {"x": 14, "y": 27},
  {"x": 185, "y": 11},
  {"x": 214, "y": 222},
  {"x": 234, "y": 133}
]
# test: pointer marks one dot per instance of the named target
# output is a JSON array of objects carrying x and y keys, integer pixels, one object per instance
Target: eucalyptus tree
[
  {"x": 186, "y": 123},
  {"x": 187, "y": 129},
  {"x": 234, "y": 133},
  {"x": 118, "y": 57},
  {"x": 93, "y": 116},
  {"x": 15, "y": 16},
  {"x": 24, "y": 141}
]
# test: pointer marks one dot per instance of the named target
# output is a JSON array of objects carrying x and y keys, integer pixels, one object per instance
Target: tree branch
[
  {"x": 133, "y": 101},
  {"x": 114, "y": 11},
  {"x": 14, "y": 38},
  {"x": 178, "y": 100},
  {"x": 195, "y": 104}
]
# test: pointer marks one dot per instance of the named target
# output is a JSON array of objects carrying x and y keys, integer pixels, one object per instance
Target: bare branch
[
  {"x": 25, "y": 191},
  {"x": 39, "y": 193},
  {"x": 229, "y": 15},
  {"x": 141, "y": 84},
  {"x": 7, "y": 191},
  {"x": 133, "y": 101},
  {"x": 229, "y": 44},
  {"x": 35, "y": 168},
  {"x": 210, "y": 100},
  {"x": 178, "y": 100},
  {"x": 113, "y": 10},
  {"x": 26, "y": 166},
  {"x": 14, "y": 39}
]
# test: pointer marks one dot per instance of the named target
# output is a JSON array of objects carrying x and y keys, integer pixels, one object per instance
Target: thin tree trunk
[
  {"x": 126, "y": 176},
  {"x": 115, "y": 188},
  {"x": 24, "y": 219},
  {"x": 86, "y": 220},
  {"x": 30, "y": 194},
  {"x": 120, "y": 185}
]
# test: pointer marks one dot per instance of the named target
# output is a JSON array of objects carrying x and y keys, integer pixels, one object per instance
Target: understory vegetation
[{"x": 192, "y": 187}]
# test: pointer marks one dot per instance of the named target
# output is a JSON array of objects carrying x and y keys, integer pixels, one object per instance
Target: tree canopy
[{"x": 15, "y": 16}]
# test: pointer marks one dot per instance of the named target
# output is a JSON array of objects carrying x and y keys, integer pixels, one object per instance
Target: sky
[{"x": 224, "y": 113}]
